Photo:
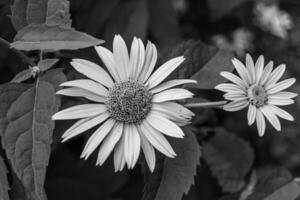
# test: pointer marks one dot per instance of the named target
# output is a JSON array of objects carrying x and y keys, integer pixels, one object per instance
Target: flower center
[
  {"x": 129, "y": 102},
  {"x": 257, "y": 95}
]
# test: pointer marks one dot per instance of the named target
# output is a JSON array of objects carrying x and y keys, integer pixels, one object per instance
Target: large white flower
[
  {"x": 258, "y": 89},
  {"x": 133, "y": 106}
]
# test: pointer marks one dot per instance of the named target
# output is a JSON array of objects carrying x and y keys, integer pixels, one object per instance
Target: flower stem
[
  {"x": 216, "y": 104},
  {"x": 24, "y": 57}
]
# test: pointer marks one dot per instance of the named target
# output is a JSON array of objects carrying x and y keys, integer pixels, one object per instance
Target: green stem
[
  {"x": 216, "y": 104},
  {"x": 24, "y": 57}
]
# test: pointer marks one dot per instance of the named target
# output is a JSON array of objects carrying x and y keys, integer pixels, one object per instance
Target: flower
[
  {"x": 272, "y": 19},
  {"x": 133, "y": 106},
  {"x": 258, "y": 89}
]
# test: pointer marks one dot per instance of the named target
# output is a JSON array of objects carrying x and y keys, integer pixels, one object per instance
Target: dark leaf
[
  {"x": 178, "y": 173},
  {"x": 18, "y": 17},
  {"x": 4, "y": 186},
  {"x": 228, "y": 166},
  {"x": 275, "y": 184},
  {"x": 52, "y": 38},
  {"x": 220, "y": 8},
  {"x": 36, "y": 11},
  {"x": 58, "y": 13}
]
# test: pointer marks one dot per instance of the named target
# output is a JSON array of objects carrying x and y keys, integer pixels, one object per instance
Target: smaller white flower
[
  {"x": 270, "y": 18},
  {"x": 257, "y": 88}
]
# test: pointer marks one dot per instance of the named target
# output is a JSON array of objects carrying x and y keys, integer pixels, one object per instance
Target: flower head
[
  {"x": 132, "y": 106},
  {"x": 257, "y": 88}
]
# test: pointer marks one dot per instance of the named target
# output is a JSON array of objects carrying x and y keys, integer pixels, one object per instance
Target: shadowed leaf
[
  {"x": 18, "y": 14},
  {"x": 4, "y": 186},
  {"x": 228, "y": 166}
]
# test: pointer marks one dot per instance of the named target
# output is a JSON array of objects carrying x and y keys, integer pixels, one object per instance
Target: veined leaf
[
  {"x": 175, "y": 176},
  {"x": 27, "y": 126},
  {"x": 228, "y": 166},
  {"x": 22, "y": 76},
  {"x": 36, "y": 11},
  {"x": 52, "y": 38},
  {"x": 4, "y": 186}
]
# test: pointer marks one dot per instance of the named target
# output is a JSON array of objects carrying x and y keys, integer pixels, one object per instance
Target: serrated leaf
[
  {"x": 18, "y": 14},
  {"x": 178, "y": 173},
  {"x": 4, "y": 186},
  {"x": 36, "y": 11},
  {"x": 22, "y": 76},
  {"x": 275, "y": 183},
  {"x": 58, "y": 13},
  {"x": 228, "y": 166},
  {"x": 52, "y": 38}
]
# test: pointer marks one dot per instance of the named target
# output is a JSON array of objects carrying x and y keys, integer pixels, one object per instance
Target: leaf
[
  {"x": 46, "y": 64},
  {"x": 28, "y": 130},
  {"x": 4, "y": 186},
  {"x": 275, "y": 183},
  {"x": 220, "y": 8},
  {"x": 58, "y": 13},
  {"x": 52, "y": 38},
  {"x": 178, "y": 173},
  {"x": 228, "y": 166},
  {"x": 22, "y": 76},
  {"x": 36, "y": 11},
  {"x": 19, "y": 15},
  {"x": 209, "y": 76},
  {"x": 203, "y": 63}
]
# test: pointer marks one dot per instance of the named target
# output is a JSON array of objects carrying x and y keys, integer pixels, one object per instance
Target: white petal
[
  {"x": 164, "y": 125},
  {"x": 108, "y": 59},
  {"x": 270, "y": 115},
  {"x": 137, "y": 58},
  {"x": 283, "y": 95},
  {"x": 78, "y": 92},
  {"x": 109, "y": 143},
  {"x": 93, "y": 71},
  {"x": 282, "y": 85},
  {"x": 261, "y": 123},
  {"x": 170, "y": 84},
  {"x": 266, "y": 73},
  {"x": 80, "y": 111},
  {"x": 173, "y": 111},
  {"x": 88, "y": 85},
  {"x": 280, "y": 102},
  {"x": 259, "y": 67},
  {"x": 251, "y": 114},
  {"x": 229, "y": 87},
  {"x": 232, "y": 96},
  {"x": 250, "y": 67},
  {"x": 150, "y": 61},
  {"x": 121, "y": 57},
  {"x": 281, "y": 113},
  {"x": 156, "y": 139},
  {"x": 148, "y": 152},
  {"x": 97, "y": 137},
  {"x": 163, "y": 71},
  {"x": 242, "y": 71},
  {"x": 236, "y": 105},
  {"x": 132, "y": 145},
  {"x": 172, "y": 94},
  {"x": 235, "y": 79},
  {"x": 275, "y": 75},
  {"x": 119, "y": 158},
  {"x": 83, "y": 125}
]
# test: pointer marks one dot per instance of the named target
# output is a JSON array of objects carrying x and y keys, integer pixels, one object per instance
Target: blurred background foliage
[{"x": 231, "y": 25}]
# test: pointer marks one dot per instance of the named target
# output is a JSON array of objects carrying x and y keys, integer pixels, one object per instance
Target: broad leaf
[
  {"x": 177, "y": 174},
  {"x": 275, "y": 184},
  {"x": 36, "y": 11},
  {"x": 52, "y": 38},
  {"x": 4, "y": 186},
  {"x": 229, "y": 159},
  {"x": 19, "y": 15}
]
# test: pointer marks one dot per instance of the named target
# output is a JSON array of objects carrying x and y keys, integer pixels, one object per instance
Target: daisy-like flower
[
  {"x": 258, "y": 89},
  {"x": 133, "y": 108}
]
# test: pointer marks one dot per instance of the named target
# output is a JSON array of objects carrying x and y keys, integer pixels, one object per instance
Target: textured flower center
[
  {"x": 129, "y": 102},
  {"x": 257, "y": 95}
]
